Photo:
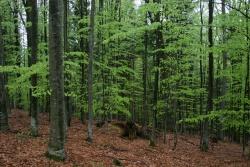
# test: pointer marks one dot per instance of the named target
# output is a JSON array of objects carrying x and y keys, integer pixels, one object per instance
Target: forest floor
[{"x": 18, "y": 149}]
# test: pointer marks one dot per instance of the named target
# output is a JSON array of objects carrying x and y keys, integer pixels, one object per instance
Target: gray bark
[
  {"x": 33, "y": 37},
  {"x": 68, "y": 99},
  {"x": 56, "y": 50},
  {"x": 18, "y": 99},
  {"x": 90, "y": 71}
]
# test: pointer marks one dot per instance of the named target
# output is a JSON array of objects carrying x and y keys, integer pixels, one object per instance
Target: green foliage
[{"x": 119, "y": 62}]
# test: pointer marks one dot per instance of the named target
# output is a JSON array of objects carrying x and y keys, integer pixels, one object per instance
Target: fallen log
[{"x": 132, "y": 130}]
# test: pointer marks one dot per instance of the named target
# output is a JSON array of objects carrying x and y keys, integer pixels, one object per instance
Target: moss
[
  {"x": 34, "y": 133},
  {"x": 117, "y": 162},
  {"x": 55, "y": 157}
]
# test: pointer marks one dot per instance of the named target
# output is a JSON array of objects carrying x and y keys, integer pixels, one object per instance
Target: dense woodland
[{"x": 150, "y": 67}]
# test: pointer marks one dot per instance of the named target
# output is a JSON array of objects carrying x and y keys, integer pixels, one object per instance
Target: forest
[{"x": 124, "y": 83}]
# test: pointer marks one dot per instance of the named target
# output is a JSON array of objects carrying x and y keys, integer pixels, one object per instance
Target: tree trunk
[
  {"x": 83, "y": 10},
  {"x": 57, "y": 115},
  {"x": 45, "y": 40},
  {"x": 201, "y": 67},
  {"x": 32, "y": 14},
  {"x": 3, "y": 101},
  {"x": 90, "y": 71},
  {"x": 18, "y": 99},
  {"x": 102, "y": 53},
  {"x": 158, "y": 55},
  {"x": 204, "y": 144},
  {"x": 247, "y": 88},
  {"x": 68, "y": 100},
  {"x": 224, "y": 64},
  {"x": 145, "y": 71}
]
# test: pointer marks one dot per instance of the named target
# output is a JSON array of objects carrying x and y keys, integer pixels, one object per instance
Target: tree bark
[
  {"x": 57, "y": 115},
  {"x": 246, "y": 116},
  {"x": 224, "y": 80},
  {"x": 204, "y": 144},
  {"x": 201, "y": 67},
  {"x": 32, "y": 14},
  {"x": 68, "y": 99},
  {"x": 145, "y": 71},
  {"x": 90, "y": 71},
  {"x": 18, "y": 99},
  {"x": 83, "y": 10}
]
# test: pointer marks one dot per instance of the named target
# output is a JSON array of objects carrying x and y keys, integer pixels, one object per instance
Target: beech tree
[
  {"x": 90, "y": 71},
  {"x": 32, "y": 35},
  {"x": 57, "y": 108},
  {"x": 168, "y": 65}
]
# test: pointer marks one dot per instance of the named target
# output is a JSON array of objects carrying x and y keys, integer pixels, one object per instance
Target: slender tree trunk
[
  {"x": 84, "y": 48},
  {"x": 45, "y": 40},
  {"x": 28, "y": 9},
  {"x": 57, "y": 115},
  {"x": 165, "y": 118},
  {"x": 33, "y": 44},
  {"x": 159, "y": 45},
  {"x": 4, "y": 126},
  {"x": 101, "y": 52},
  {"x": 145, "y": 71},
  {"x": 45, "y": 21},
  {"x": 68, "y": 100},
  {"x": 224, "y": 58},
  {"x": 204, "y": 144},
  {"x": 90, "y": 71},
  {"x": 201, "y": 68},
  {"x": 224, "y": 80},
  {"x": 18, "y": 99},
  {"x": 247, "y": 87}
]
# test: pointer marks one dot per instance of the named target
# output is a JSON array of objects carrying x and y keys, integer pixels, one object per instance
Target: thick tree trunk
[
  {"x": 90, "y": 71},
  {"x": 3, "y": 101},
  {"x": 32, "y": 14},
  {"x": 57, "y": 115}
]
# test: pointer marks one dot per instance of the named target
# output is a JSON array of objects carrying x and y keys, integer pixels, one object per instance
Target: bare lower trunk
[
  {"x": 90, "y": 72},
  {"x": 57, "y": 114},
  {"x": 33, "y": 45}
]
